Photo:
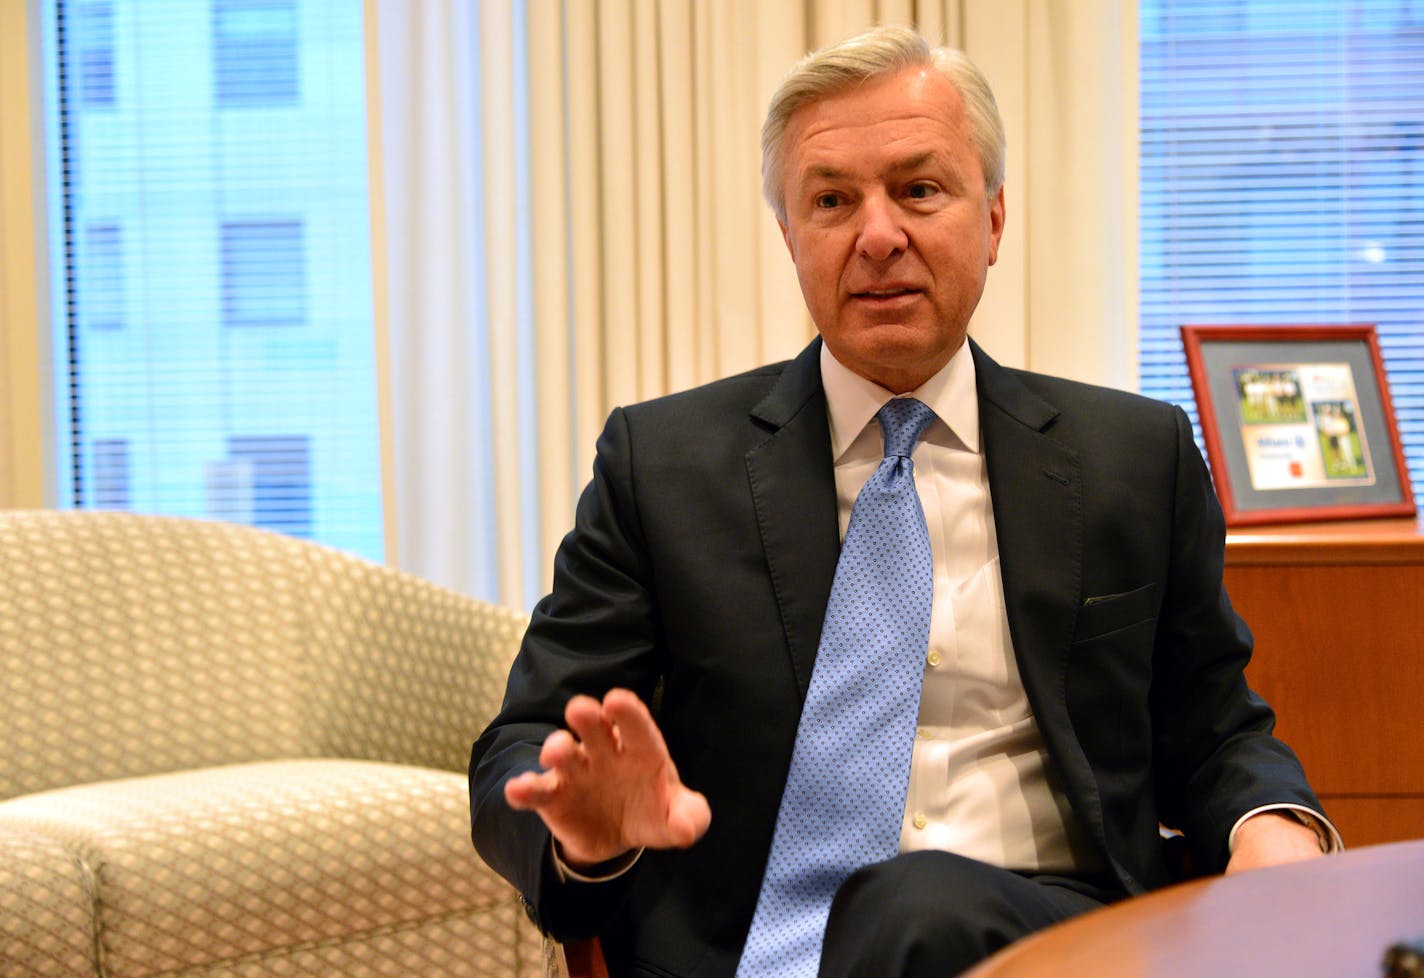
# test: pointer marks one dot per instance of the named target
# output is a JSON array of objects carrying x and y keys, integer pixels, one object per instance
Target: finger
[
  {"x": 637, "y": 731},
  {"x": 531, "y": 789},
  {"x": 581, "y": 707},
  {"x": 584, "y": 715},
  {"x": 560, "y": 750}
]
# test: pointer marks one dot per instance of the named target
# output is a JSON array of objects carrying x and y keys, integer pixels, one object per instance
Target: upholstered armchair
[{"x": 228, "y": 752}]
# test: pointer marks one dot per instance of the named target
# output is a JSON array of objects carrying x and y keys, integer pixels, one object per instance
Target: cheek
[
  {"x": 963, "y": 260},
  {"x": 820, "y": 298},
  {"x": 818, "y": 269}
]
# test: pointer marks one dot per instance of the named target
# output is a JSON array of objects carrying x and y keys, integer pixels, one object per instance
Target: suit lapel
[
  {"x": 1036, "y": 485},
  {"x": 793, "y": 488}
]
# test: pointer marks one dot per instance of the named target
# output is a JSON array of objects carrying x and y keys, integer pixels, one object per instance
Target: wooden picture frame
[{"x": 1298, "y": 423}]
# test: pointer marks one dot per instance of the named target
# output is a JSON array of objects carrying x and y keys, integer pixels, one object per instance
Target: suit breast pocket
[{"x": 1104, "y": 614}]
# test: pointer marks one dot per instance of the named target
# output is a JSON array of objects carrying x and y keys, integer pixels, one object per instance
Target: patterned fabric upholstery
[
  {"x": 46, "y": 908},
  {"x": 229, "y": 752}
]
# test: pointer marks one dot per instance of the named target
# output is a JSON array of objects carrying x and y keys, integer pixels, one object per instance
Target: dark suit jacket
[{"x": 699, "y": 568}]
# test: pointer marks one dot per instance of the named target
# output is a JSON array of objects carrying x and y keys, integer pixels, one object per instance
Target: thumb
[{"x": 689, "y": 815}]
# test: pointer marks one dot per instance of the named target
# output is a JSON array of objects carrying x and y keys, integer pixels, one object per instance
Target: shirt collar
[{"x": 851, "y": 401}]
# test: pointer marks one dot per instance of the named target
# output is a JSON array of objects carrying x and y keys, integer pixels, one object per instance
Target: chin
[{"x": 900, "y": 343}]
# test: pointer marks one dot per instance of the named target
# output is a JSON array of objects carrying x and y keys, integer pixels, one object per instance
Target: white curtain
[
  {"x": 569, "y": 218},
  {"x": 25, "y": 479}
]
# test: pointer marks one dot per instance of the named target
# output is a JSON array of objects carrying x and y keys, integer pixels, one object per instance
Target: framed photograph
[{"x": 1298, "y": 423}]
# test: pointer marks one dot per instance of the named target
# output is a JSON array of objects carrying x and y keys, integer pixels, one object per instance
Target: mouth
[{"x": 886, "y": 296}]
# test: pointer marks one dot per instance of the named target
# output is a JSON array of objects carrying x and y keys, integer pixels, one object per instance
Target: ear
[
  {"x": 786, "y": 236},
  {"x": 996, "y": 224}
]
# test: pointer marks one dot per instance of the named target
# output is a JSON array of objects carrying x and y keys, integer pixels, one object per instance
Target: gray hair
[{"x": 878, "y": 52}]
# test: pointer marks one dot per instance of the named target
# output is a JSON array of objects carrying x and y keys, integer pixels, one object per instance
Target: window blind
[
  {"x": 209, "y": 167},
  {"x": 1282, "y": 180}
]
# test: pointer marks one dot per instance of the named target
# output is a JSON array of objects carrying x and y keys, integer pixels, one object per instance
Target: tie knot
[{"x": 902, "y": 420}]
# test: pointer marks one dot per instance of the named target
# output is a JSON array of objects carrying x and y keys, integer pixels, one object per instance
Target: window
[
  {"x": 104, "y": 285},
  {"x": 278, "y": 470},
  {"x": 213, "y": 316},
  {"x": 111, "y": 473},
  {"x": 263, "y": 273},
  {"x": 1283, "y": 179},
  {"x": 255, "y": 53},
  {"x": 94, "y": 41}
]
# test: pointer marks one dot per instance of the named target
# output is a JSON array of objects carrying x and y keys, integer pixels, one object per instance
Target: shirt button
[
  {"x": 920, "y": 820},
  {"x": 934, "y": 658}
]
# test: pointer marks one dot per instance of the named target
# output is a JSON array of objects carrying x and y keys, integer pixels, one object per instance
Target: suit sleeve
[
  {"x": 1215, "y": 756},
  {"x": 596, "y": 630}
]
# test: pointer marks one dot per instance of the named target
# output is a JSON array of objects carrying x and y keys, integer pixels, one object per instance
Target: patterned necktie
[{"x": 844, "y": 799}]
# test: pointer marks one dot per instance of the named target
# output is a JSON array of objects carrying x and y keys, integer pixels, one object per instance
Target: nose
[{"x": 881, "y": 234}]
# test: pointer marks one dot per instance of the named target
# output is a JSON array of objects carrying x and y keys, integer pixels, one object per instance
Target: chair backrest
[{"x": 134, "y": 645}]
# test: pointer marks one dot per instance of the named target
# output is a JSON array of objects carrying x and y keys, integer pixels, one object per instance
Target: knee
[{"x": 922, "y": 913}]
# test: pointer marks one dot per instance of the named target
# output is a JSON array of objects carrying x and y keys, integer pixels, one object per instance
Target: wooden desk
[
  {"x": 1338, "y": 614},
  {"x": 1324, "y": 918}
]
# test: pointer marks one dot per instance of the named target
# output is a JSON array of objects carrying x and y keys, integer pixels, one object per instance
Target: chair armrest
[
  {"x": 47, "y": 906},
  {"x": 403, "y": 670}
]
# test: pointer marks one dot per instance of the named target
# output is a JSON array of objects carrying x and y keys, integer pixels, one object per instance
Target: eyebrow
[
  {"x": 913, "y": 162},
  {"x": 827, "y": 172}
]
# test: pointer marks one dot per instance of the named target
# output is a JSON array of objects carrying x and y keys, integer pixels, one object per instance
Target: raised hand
[{"x": 609, "y": 784}]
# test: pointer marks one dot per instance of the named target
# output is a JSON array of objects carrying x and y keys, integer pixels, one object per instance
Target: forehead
[{"x": 912, "y": 112}]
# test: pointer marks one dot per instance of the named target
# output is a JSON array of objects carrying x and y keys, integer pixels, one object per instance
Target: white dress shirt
[{"x": 981, "y": 783}]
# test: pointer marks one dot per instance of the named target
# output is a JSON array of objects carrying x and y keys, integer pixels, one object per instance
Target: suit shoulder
[
  {"x": 1075, "y": 395},
  {"x": 738, "y": 393}
]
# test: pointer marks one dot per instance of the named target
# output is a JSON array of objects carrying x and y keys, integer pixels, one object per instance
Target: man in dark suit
[{"x": 1083, "y": 676}]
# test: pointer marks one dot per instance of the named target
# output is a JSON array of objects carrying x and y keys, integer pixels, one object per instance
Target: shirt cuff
[
  {"x": 602, "y": 873},
  {"x": 1325, "y": 832}
]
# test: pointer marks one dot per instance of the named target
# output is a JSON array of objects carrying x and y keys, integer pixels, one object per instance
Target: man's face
[{"x": 889, "y": 224}]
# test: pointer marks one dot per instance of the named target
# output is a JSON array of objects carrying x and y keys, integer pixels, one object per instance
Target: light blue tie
[{"x": 845, "y": 794}]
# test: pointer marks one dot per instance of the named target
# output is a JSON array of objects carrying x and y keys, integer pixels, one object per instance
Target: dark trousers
[{"x": 935, "y": 914}]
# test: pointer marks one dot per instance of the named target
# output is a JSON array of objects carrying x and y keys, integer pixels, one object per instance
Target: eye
[
  {"x": 920, "y": 191},
  {"x": 827, "y": 200}
]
